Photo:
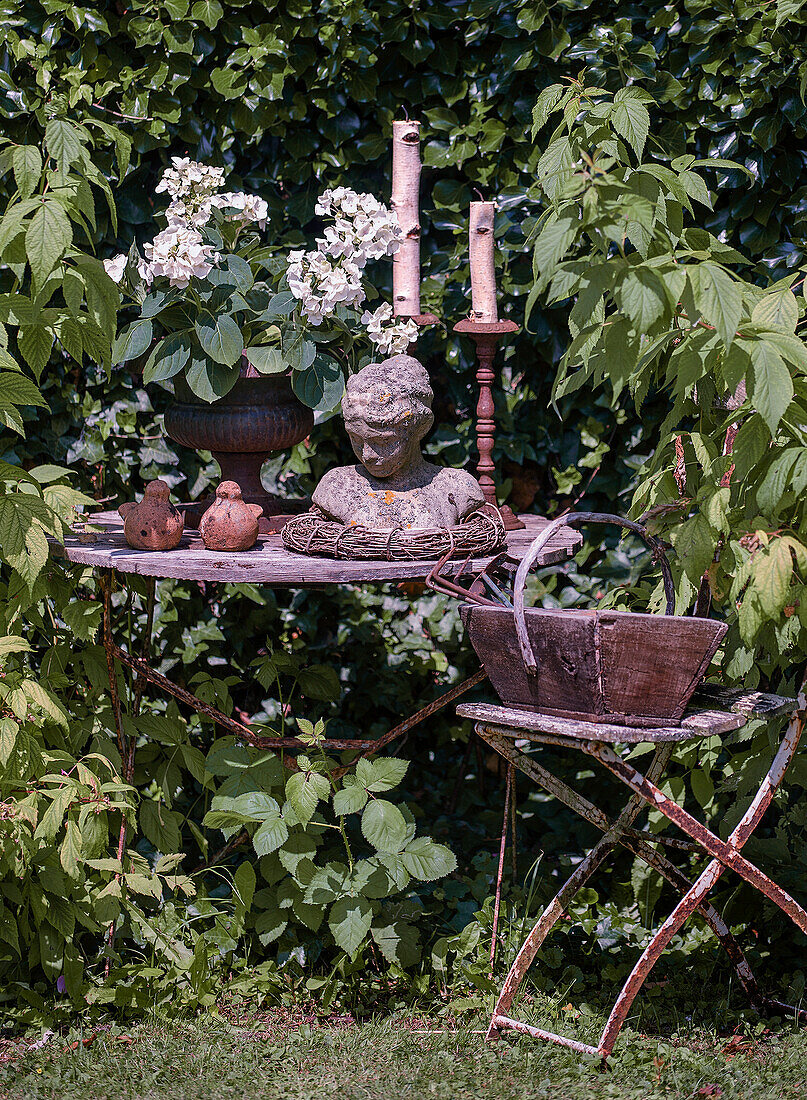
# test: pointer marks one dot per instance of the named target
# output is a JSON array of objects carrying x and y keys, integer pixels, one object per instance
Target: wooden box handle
[{"x": 574, "y": 519}]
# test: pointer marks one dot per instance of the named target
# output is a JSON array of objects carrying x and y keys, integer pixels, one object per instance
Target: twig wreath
[{"x": 481, "y": 533}]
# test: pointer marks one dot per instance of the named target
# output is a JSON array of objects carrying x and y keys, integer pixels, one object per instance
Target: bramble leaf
[
  {"x": 304, "y": 790},
  {"x": 772, "y": 390},
  {"x": 427, "y": 860},
  {"x": 383, "y": 825},
  {"x": 349, "y": 920}
]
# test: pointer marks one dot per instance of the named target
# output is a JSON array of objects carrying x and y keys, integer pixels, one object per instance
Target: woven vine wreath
[{"x": 481, "y": 533}]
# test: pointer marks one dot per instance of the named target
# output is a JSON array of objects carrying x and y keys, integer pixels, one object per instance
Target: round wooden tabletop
[{"x": 268, "y": 562}]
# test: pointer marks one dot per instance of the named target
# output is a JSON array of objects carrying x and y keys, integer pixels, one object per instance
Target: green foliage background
[
  {"x": 291, "y": 96},
  {"x": 294, "y": 96}
]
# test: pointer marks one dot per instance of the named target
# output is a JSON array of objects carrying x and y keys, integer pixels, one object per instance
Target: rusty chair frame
[{"x": 500, "y": 727}]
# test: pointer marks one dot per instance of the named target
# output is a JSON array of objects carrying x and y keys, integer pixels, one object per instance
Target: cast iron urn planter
[{"x": 261, "y": 414}]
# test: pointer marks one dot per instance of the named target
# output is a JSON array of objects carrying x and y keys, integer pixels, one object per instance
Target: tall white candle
[
  {"x": 483, "y": 272},
  {"x": 406, "y": 204}
]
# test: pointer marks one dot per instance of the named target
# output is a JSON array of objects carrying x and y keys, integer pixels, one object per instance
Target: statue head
[{"x": 387, "y": 411}]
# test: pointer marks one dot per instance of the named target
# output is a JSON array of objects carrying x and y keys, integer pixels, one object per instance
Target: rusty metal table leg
[{"x": 725, "y": 853}]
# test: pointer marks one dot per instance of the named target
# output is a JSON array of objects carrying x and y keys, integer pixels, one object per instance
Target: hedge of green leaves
[{"x": 291, "y": 97}]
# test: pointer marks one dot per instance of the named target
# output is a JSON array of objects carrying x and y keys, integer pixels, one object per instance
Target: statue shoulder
[
  {"x": 329, "y": 495},
  {"x": 465, "y": 489}
]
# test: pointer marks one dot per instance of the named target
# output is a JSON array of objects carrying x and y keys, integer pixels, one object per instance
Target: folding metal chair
[{"x": 502, "y": 726}]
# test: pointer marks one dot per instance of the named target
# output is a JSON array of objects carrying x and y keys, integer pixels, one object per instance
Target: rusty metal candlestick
[{"x": 486, "y": 336}]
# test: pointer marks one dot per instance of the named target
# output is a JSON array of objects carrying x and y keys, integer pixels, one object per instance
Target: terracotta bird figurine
[
  {"x": 153, "y": 523},
  {"x": 229, "y": 523}
]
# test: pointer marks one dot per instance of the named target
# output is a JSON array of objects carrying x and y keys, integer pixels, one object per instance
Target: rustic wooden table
[
  {"x": 270, "y": 563},
  {"x": 99, "y": 544}
]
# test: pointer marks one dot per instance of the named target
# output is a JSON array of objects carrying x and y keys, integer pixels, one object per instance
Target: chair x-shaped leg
[{"x": 619, "y": 832}]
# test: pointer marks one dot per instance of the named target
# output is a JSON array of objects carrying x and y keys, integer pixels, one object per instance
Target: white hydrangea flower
[
  {"x": 390, "y": 339},
  {"x": 116, "y": 266},
  {"x": 374, "y": 321},
  {"x": 190, "y": 178},
  {"x": 144, "y": 271},
  {"x": 179, "y": 254},
  {"x": 377, "y": 235},
  {"x": 189, "y": 212},
  {"x": 343, "y": 201},
  {"x": 248, "y": 208},
  {"x": 363, "y": 229},
  {"x": 193, "y": 188},
  {"x": 329, "y": 202},
  {"x": 321, "y": 285},
  {"x": 338, "y": 240},
  {"x": 362, "y": 225}
]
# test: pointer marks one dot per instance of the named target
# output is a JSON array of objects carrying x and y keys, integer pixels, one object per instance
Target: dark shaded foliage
[{"x": 290, "y": 98}]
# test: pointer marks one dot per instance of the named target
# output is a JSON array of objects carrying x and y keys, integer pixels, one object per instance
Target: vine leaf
[
  {"x": 644, "y": 299},
  {"x": 27, "y": 162},
  {"x": 718, "y": 298},
  {"x": 695, "y": 545},
  {"x": 46, "y": 239},
  {"x": 772, "y": 574},
  {"x": 631, "y": 120},
  {"x": 63, "y": 142},
  {"x": 779, "y": 309}
]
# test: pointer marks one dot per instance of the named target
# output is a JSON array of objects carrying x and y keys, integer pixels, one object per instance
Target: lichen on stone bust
[{"x": 387, "y": 412}]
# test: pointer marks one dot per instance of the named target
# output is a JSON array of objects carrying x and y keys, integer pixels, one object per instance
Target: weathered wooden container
[
  {"x": 589, "y": 664},
  {"x": 596, "y": 665}
]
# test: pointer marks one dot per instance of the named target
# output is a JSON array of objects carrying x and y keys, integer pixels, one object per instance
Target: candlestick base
[
  {"x": 486, "y": 335},
  {"x": 479, "y": 329},
  {"x": 511, "y": 520},
  {"x": 423, "y": 320}
]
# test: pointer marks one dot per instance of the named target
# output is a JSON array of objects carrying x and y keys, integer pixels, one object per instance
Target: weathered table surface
[{"x": 269, "y": 562}]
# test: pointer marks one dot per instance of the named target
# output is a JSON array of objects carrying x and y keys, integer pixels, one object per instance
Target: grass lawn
[{"x": 295, "y": 1057}]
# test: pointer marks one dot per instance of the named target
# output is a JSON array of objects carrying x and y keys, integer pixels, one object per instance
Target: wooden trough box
[
  {"x": 613, "y": 666},
  {"x": 621, "y": 667}
]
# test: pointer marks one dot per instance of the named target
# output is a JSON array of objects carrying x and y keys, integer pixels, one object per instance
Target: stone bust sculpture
[{"x": 387, "y": 411}]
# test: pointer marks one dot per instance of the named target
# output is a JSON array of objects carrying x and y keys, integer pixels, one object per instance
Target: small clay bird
[
  {"x": 229, "y": 523},
  {"x": 153, "y": 523}
]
